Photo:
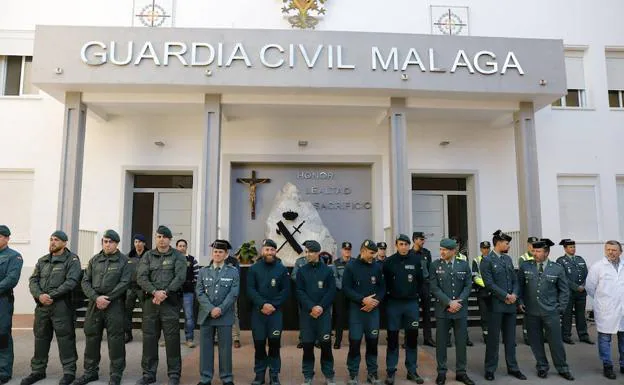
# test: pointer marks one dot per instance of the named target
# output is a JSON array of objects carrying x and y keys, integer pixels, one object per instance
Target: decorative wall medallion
[
  {"x": 303, "y": 13},
  {"x": 153, "y": 13},
  {"x": 449, "y": 20}
]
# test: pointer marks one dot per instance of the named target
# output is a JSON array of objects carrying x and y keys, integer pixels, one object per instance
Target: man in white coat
[{"x": 605, "y": 284}]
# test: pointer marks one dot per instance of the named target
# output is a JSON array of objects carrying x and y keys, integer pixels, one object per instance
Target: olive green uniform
[
  {"x": 162, "y": 271},
  {"x": 106, "y": 275},
  {"x": 545, "y": 293},
  {"x": 57, "y": 276},
  {"x": 521, "y": 259},
  {"x": 451, "y": 281}
]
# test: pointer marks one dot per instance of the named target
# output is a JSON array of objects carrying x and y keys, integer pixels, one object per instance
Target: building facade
[{"x": 217, "y": 118}]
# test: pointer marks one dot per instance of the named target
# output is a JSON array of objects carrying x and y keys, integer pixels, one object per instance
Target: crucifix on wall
[{"x": 253, "y": 183}]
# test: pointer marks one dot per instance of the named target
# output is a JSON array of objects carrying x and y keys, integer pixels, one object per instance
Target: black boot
[
  {"x": 607, "y": 371},
  {"x": 259, "y": 379}
]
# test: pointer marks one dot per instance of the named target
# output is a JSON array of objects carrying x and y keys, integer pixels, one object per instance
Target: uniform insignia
[
  {"x": 188, "y": 264},
  {"x": 373, "y": 279},
  {"x": 320, "y": 284},
  {"x": 375, "y": 332},
  {"x": 276, "y": 332},
  {"x": 165, "y": 263},
  {"x": 415, "y": 323},
  {"x": 410, "y": 278},
  {"x": 130, "y": 261},
  {"x": 273, "y": 282},
  {"x": 410, "y": 267},
  {"x": 326, "y": 337}
]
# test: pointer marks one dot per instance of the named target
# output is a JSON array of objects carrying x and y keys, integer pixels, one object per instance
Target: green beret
[
  {"x": 164, "y": 231},
  {"x": 4, "y": 230},
  {"x": 60, "y": 235},
  {"x": 269, "y": 243},
  {"x": 312, "y": 246},
  {"x": 112, "y": 235},
  {"x": 371, "y": 245},
  {"x": 404, "y": 238},
  {"x": 448, "y": 244}
]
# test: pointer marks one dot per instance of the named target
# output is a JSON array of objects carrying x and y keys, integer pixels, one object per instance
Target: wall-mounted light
[
  {"x": 58, "y": 70},
  {"x": 542, "y": 82},
  {"x": 302, "y": 143},
  {"x": 444, "y": 143},
  {"x": 404, "y": 77},
  {"x": 160, "y": 143}
]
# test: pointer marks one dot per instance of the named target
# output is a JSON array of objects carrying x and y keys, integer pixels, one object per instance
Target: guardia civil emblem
[
  {"x": 410, "y": 278},
  {"x": 273, "y": 282},
  {"x": 373, "y": 279},
  {"x": 303, "y": 13},
  {"x": 320, "y": 284}
]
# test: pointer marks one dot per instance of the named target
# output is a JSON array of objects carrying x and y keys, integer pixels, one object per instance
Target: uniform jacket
[
  {"x": 162, "y": 271},
  {"x": 316, "y": 285},
  {"x": 606, "y": 286},
  {"x": 268, "y": 283},
  {"x": 426, "y": 260},
  {"x": 544, "y": 294},
  {"x": 10, "y": 269},
  {"x": 108, "y": 275},
  {"x": 55, "y": 275},
  {"x": 404, "y": 275},
  {"x": 450, "y": 281},
  {"x": 217, "y": 289},
  {"x": 576, "y": 271},
  {"x": 500, "y": 278},
  {"x": 362, "y": 279},
  {"x": 299, "y": 263},
  {"x": 133, "y": 261},
  {"x": 339, "y": 267}
]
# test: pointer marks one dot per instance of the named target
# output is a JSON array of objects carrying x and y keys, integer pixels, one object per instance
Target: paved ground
[{"x": 582, "y": 358}]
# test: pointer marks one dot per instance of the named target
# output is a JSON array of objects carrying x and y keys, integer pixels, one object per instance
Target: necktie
[{"x": 541, "y": 268}]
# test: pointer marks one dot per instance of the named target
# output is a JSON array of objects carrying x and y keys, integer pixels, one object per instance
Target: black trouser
[
  {"x": 341, "y": 315},
  {"x": 576, "y": 308},
  {"x": 96, "y": 321},
  {"x": 166, "y": 318},
  {"x": 483, "y": 300},
  {"x": 425, "y": 312}
]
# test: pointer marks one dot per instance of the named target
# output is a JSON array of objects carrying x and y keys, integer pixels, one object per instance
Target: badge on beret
[
  {"x": 373, "y": 279},
  {"x": 273, "y": 282},
  {"x": 410, "y": 278},
  {"x": 320, "y": 284}
]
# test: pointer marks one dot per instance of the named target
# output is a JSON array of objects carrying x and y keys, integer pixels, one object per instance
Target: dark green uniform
[
  {"x": 162, "y": 271},
  {"x": 483, "y": 295},
  {"x": 133, "y": 293},
  {"x": 576, "y": 271},
  {"x": 10, "y": 269},
  {"x": 106, "y": 275},
  {"x": 341, "y": 304},
  {"x": 57, "y": 276},
  {"x": 451, "y": 281},
  {"x": 544, "y": 293},
  {"x": 501, "y": 279}
]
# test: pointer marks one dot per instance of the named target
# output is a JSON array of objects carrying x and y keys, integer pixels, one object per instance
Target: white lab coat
[{"x": 606, "y": 287}]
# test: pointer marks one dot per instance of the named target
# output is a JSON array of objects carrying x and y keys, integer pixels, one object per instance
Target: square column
[
  {"x": 72, "y": 159},
  {"x": 400, "y": 177},
  {"x": 210, "y": 173},
  {"x": 527, "y": 171}
]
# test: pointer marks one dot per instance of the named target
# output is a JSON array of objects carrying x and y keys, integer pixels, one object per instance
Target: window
[
  {"x": 615, "y": 78},
  {"x": 575, "y": 77},
  {"x": 16, "y": 193},
  {"x": 620, "y": 201},
  {"x": 15, "y": 79},
  {"x": 578, "y": 207}
]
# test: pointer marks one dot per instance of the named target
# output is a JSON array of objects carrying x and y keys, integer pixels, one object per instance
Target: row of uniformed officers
[{"x": 540, "y": 288}]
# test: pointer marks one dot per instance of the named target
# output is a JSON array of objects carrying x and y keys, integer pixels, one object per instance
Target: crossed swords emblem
[{"x": 290, "y": 237}]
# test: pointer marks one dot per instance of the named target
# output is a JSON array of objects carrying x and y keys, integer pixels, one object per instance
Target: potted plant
[{"x": 247, "y": 253}]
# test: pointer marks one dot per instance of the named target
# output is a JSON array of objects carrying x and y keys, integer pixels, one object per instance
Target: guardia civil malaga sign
[{"x": 273, "y": 55}]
